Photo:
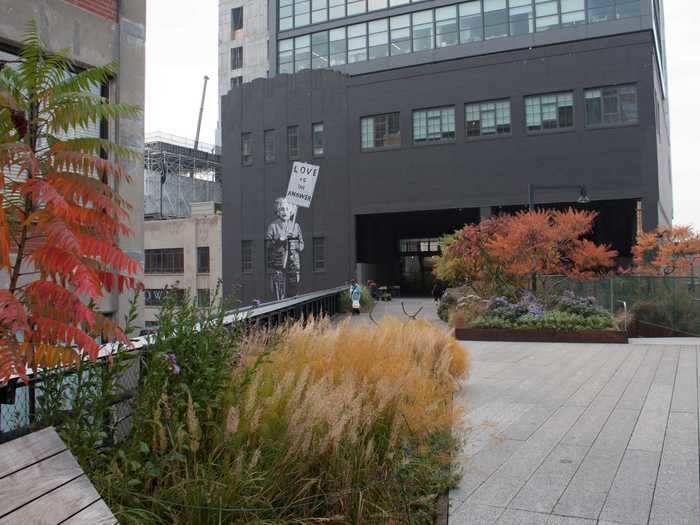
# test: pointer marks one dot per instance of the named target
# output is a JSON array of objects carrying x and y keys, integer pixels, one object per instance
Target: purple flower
[{"x": 174, "y": 367}]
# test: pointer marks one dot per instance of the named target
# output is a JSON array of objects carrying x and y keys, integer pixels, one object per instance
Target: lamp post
[{"x": 583, "y": 197}]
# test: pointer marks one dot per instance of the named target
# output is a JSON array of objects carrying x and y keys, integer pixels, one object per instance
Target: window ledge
[
  {"x": 383, "y": 148},
  {"x": 489, "y": 137},
  {"x": 613, "y": 126},
  {"x": 549, "y": 132},
  {"x": 434, "y": 143}
]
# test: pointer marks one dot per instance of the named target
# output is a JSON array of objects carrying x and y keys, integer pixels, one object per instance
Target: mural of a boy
[{"x": 285, "y": 243}]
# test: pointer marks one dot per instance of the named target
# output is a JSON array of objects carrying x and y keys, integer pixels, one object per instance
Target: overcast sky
[{"x": 182, "y": 47}]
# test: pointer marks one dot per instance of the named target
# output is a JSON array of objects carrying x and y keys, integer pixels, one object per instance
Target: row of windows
[
  {"x": 172, "y": 260},
  {"x": 442, "y": 27},
  {"x": 270, "y": 144},
  {"x": 603, "y": 106},
  {"x": 318, "y": 249}
]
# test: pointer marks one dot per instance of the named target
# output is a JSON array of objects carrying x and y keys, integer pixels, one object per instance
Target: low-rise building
[{"x": 182, "y": 256}]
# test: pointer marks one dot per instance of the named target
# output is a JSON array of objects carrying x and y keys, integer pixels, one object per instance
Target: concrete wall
[
  {"x": 94, "y": 37},
  {"x": 615, "y": 163},
  {"x": 203, "y": 228}
]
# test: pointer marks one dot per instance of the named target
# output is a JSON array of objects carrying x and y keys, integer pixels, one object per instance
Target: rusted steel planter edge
[{"x": 541, "y": 336}]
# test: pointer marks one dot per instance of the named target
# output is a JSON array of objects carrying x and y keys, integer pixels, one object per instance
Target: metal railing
[
  {"x": 665, "y": 302},
  {"x": 15, "y": 415}
]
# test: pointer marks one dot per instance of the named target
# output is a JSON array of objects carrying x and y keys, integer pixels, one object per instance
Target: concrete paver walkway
[
  {"x": 580, "y": 434},
  {"x": 573, "y": 434}
]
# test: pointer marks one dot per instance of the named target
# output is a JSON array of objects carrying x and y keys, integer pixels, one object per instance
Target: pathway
[{"x": 573, "y": 434}]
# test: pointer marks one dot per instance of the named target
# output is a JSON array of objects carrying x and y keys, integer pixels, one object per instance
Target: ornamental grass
[{"x": 311, "y": 423}]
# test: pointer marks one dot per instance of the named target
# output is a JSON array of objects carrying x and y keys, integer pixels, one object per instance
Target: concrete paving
[{"x": 577, "y": 434}]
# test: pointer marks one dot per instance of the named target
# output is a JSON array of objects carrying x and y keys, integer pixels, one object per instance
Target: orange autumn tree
[
  {"x": 60, "y": 218},
  {"x": 536, "y": 243},
  {"x": 668, "y": 250},
  {"x": 466, "y": 260}
]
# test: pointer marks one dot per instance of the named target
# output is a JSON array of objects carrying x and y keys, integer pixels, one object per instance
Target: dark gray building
[{"x": 425, "y": 116}]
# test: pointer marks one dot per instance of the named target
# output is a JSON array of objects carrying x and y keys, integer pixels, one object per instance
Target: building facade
[
  {"x": 183, "y": 257},
  {"x": 97, "y": 32},
  {"x": 243, "y": 45},
  {"x": 428, "y": 115}
]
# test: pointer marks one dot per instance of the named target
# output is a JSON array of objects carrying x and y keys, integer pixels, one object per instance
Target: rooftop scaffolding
[{"x": 175, "y": 175}]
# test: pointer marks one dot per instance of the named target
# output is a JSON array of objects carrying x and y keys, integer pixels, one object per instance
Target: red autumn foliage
[
  {"x": 504, "y": 253},
  {"x": 60, "y": 219},
  {"x": 541, "y": 242},
  {"x": 668, "y": 250}
]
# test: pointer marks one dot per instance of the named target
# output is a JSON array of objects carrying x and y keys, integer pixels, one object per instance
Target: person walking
[{"x": 355, "y": 295}]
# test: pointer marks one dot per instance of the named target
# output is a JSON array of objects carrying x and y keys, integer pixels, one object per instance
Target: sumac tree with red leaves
[
  {"x": 60, "y": 216},
  {"x": 668, "y": 250},
  {"x": 512, "y": 251}
]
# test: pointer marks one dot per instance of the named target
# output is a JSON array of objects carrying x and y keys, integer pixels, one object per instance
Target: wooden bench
[{"x": 42, "y": 483}]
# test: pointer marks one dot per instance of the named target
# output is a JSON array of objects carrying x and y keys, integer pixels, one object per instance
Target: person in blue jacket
[{"x": 355, "y": 294}]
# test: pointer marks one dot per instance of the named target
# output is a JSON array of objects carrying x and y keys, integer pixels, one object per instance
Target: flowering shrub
[
  {"x": 502, "y": 308},
  {"x": 569, "y": 313},
  {"x": 583, "y": 306}
]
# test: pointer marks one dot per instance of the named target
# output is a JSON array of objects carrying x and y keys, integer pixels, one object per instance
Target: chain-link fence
[{"x": 671, "y": 303}]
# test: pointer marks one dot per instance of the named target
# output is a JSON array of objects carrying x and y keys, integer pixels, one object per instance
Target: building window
[
  {"x": 606, "y": 10},
  {"x": 487, "y": 118},
  {"x": 247, "y": 149},
  {"x": 378, "y": 38},
  {"x": 302, "y": 52},
  {"x": 380, "y": 131},
  {"x": 573, "y": 12},
  {"x": 236, "y": 58},
  {"x": 285, "y": 56},
  {"x": 319, "y": 11},
  {"x": 317, "y": 139},
  {"x": 203, "y": 259},
  {"x": 434, "y": 125},
  {"x": 286, "y": 15},
  {"x": 293, "y": 142},
  {"x": 495, "y": 19},
  {"x": 270, "y": 145},
  {"x": 336, "y": 9},
  {"x": 611, "y": 105},
  {"x": 203, "y": 297},
  {"x": 236, "y": 81},
  {"x": 471, "y": 27},
  {"x": 319, "y": 50},
  {"x": 357, "y": 43},
  {"x": 355, "y": 7},
  {"x": 546, "y": 14},
  {"x": 446, "y": 29},
  {"x": 520, "y": 17},
  {"x": 247, "y": 256},
  {"x": 545, "y": 112},
  {"x": 338, "y": 46},
  {"x": 236, "y": 21},
  {"x": 319, "y": 252},
  {"x": 423, "y": 30},
  {"x": 158, "y": 296},
  {"x": 400, "y": 34},
  {"x": 165, "y": 260}
]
